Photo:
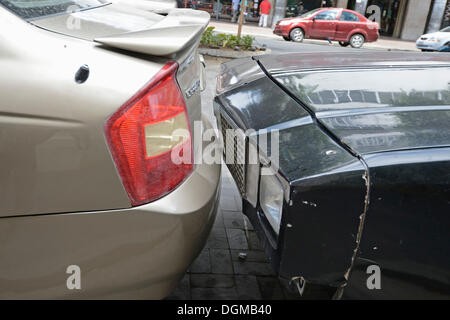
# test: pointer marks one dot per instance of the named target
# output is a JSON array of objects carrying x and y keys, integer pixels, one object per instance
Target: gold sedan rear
[{"x": 92, "y": 204}]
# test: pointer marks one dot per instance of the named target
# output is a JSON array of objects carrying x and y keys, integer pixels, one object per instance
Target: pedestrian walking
[
  {"x": 264, "y": 11},
  {"x": 234, "y": 10}
]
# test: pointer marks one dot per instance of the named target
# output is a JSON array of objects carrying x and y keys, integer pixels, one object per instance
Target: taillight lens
[{"x": 150, "y": 139}]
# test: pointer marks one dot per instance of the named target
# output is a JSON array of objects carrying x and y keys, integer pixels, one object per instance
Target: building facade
[
  {"x": 403, "y": 19},
  {"x": 223, "y": 9}
]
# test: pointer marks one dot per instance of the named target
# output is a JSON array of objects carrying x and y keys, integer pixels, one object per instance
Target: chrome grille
[{"x": 236, "y": 164}]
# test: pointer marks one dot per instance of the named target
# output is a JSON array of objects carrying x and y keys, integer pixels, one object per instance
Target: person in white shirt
[{"x": 234, "y": 10}]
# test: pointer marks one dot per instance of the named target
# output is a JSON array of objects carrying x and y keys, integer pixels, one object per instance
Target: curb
[
  {"x": 230, "y": 54},
  {"x": 390, "y": 49},
  {"x": 366, "y": 46}
]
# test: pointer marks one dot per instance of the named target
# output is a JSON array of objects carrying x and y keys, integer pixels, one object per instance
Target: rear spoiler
[{"x": 179, "y": 30}]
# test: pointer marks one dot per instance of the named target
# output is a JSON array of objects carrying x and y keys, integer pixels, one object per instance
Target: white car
[{"x": 434, "y": 41}]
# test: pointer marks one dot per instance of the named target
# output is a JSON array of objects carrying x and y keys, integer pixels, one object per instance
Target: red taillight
[{"x": 147, "y": 133}]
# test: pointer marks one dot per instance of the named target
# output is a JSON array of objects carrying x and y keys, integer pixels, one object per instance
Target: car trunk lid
[{"x": 142, "y": 34}]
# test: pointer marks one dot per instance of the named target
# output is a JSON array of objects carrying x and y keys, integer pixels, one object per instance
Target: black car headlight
[{"x": 271, "y": 197}]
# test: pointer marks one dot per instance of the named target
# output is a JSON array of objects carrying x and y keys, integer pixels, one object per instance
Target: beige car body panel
[
  {"x": 138, "y": 253},
  {"x": 62, "y": 201}
]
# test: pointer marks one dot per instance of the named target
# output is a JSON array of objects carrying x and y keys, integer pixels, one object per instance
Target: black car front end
[
  {"x": 327, "y": 151},
  {"x": 287, "y": 170}
]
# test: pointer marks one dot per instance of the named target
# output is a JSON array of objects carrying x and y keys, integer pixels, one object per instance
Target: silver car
[
  {"x": 434, "y": 41},
  {"x": 95, "y": 99}
]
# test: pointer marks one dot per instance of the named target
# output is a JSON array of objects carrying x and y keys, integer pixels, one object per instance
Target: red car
[{"x": 346, "y": 26}]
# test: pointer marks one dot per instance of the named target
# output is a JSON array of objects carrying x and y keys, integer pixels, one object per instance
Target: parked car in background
[
  {"x": 95, "y": 99},
  {"x": 336, "y": 24},
  {"x": 344, "y": 168},
  {"x": 434, "y": 41}
]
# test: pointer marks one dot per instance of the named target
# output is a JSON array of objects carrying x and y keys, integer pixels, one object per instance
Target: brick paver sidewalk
[{"x": 218, "y": 272}]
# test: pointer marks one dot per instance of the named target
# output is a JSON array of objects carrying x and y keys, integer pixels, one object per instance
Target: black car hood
[
  {"x": 290, "y": 62},
  {"x": 371, "y": 102},
  {"x": 254, "y": 102}
]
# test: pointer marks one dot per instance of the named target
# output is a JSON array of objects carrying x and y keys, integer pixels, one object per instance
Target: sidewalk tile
[
  {"x": 202, "y": 264},
  {"x": 248, "y": 224},
  {"x": 182, "y": 291},
  {"x": 227, "y": 214},
  {"x": 253, "y": 268},
  {"x": 212, "y": 281},
  {"x": 214, "y": 294},
  {"x": 229, "y": 203},
  {"x": 270, "y": 288},
  {"x": 247, "y": 288},
  {"x": 253, "y": 241},
  {"x": 218, "y": 223},
  {"x": 234, "y": 223},
  {"x": 217, "y": 239},
  {"x": 221, "y": 261},
  {"x": 237, "y": 239},
  {"x": 252, "y": 255}
]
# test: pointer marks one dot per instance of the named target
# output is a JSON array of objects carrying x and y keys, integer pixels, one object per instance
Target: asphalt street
[{"x": 282, "y": 46}]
